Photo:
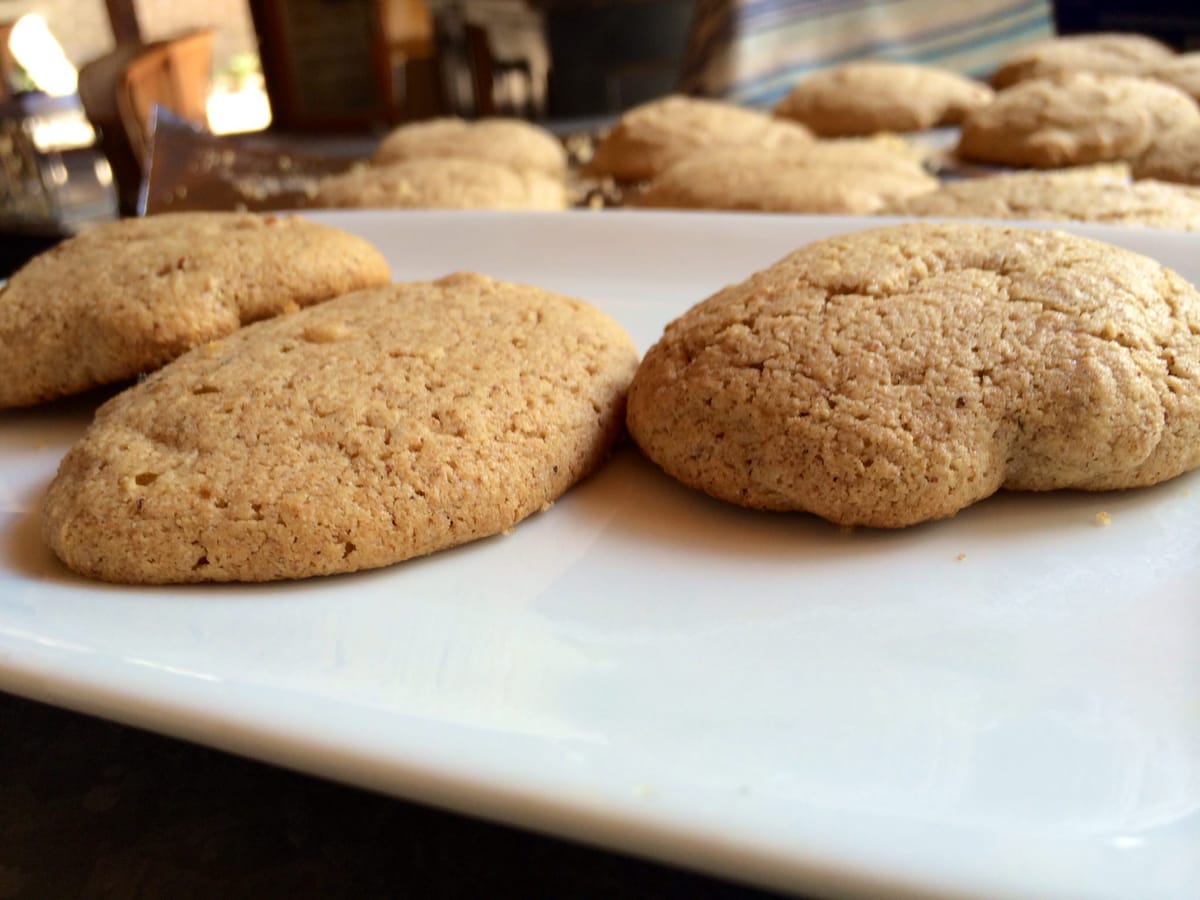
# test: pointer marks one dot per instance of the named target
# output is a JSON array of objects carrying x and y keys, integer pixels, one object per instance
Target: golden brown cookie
[
  {"x": 649, "y": 138},
  {"x": 1059, "y": 196},
  {"x": 510, "y": 142},
  {"x": 1173, "y": 155},
  {"x": 897, "y": 375},
  {"x": 1101, "y": 53},
  {"x": 1182, "y": 71},
  {"x": 441, "y": 183},
  {"x": 826, "y": 177},
  {"x": 383, "y": 425},
  {"x": 1074, "y": 120},
  {"x": 861, "y": 98},
  {"x": 122, "y": 298}
]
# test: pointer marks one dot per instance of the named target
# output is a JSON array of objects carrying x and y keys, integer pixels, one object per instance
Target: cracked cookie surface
[
  {"x": 125, "y": 297},
  {"x": 383, "y": 425},
  {"x": 860, "y": 98},
  {"x": 1074, "y": 119},
  {"x": 898, "y": 375},
  {"x": 649, "y": 138}
]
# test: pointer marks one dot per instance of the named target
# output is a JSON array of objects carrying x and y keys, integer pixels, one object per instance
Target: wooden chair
[
  {"x": 8, "y": 65},
  {"x": 118, "y": 92},
  {"x": 500, "y": 86},
  {"x": 175, "y": 74},
  {"x": 409, "y": 77}
]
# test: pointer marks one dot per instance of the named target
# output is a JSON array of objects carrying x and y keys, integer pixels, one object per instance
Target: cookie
[
  {"x": 898, "y": 375},
  {"x": 1182, "y": 71},
  {"x": 861, "y": 98},
  {"x": 383, "y": 425},
  {"x": 125, "y": 297},
  {"x": 1173, "y": 155},
  {"x": 647, "y": 139},
  {"x": 1074, "y": 120},
  {"x": 1101, "y": 53},
  {"x": 829, "y": 177},
  {"x": 1059, "y": 196},
  {"x": 441, "y": 183},
  {"x": 509, "y": 142}
]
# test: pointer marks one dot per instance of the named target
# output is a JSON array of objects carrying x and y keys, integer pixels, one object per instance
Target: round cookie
[
  {"x": 124, "y": 297},
  {"x": 383, "y": 425},
  {"x": 1102, "y": 53},
  {"x": 861, "y": 98},
  {"x": 831, "y": 177},
  {"x": 1074, "y": 120},
  {"x": 510, "y": 142},
  {"x": 440, "y": 183},
  {"x": 1059, "y": 196},
  {"x": 898, "y": 375},
  {"x": 1173, "y": 155},
  {"x": 647, "y": 139}
]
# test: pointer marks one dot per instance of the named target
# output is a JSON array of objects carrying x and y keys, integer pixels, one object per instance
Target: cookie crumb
[
  {"x": 961, "y": 557},
  {"x": 1103, "y": 519}
]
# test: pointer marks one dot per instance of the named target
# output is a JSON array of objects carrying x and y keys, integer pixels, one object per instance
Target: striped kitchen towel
[{"x": 753, "y": 51}]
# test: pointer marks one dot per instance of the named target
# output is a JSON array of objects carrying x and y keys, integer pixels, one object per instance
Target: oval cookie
[
  {"x": 649, "y": 138},
  {"x": 383, "y": 425},
  {"x": 510, "y": 142},
  {"x": 898, "y": 375},
  {"x": 823, "y": 177},
  {"x": 1074, "y": 119},
  {"x": 125, "y": 297},
  {"x": 441, "y": 183},
  {"x": 1102, "y": 53},
  {"x": 868, "y": 97}
]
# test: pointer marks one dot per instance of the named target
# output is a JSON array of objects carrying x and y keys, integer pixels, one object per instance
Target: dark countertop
[{"x": 93, "y": 809}]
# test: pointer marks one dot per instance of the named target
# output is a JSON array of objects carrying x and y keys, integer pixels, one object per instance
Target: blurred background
[{"x": 80, "y": 79}]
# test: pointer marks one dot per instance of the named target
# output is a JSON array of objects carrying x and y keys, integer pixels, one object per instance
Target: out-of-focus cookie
[
  {"x": 441, "y": 183},
  {"x": 898, "y": 375},
  {"x": 647, "y": 139},
  {"x": 1074, "y": 120},
  {"x": 510, "y": 142},
  {"x": 826, "y": 178},
  {"x": 122, "y": 298},
  {"x": 1173, "y": 155},
  {"x": 1182, "y": 71},
  {"x": 861, "y": 98},
  {"x": 1059, "y": 196},
  {"x": 1101, "y": 53},
  {"x": 383, "y": 425}
]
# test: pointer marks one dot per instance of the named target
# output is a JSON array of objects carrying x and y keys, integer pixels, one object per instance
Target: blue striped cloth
[{"x": 753, "y": 51}]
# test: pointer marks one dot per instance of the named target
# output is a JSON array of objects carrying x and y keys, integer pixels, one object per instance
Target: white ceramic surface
[{"x": 1005, "y": 704}]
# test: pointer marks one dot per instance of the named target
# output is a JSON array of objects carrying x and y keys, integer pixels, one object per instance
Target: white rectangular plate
[{"x": 1004, "y": 704}]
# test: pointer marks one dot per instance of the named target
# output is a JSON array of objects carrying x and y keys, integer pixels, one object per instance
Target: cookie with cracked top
[
  {"x": 383, "y": 425},
  {"x": 868, "y": 97},
  {"x": 1073, "y": 120},
  {"x": 123, "y": 298},
  {"x": 898, "y": 375}
]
